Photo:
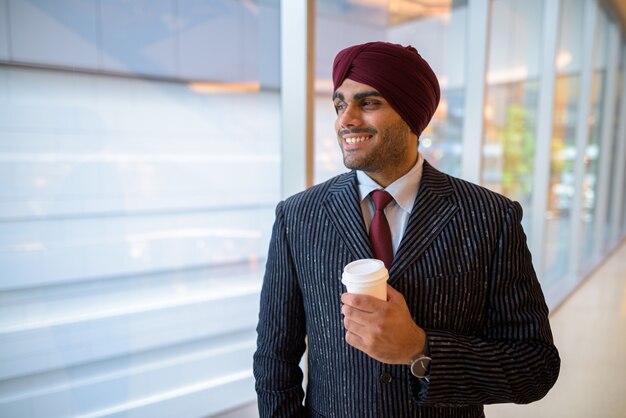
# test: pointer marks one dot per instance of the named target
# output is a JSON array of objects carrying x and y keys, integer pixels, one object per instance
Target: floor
[{"x": 590, "y": 332}]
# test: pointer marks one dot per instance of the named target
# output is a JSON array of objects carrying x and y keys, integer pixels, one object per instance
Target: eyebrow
[{"x": 358, "y": 96}]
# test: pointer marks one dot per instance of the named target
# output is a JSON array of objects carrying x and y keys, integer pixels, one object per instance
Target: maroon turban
[{"x": 399, "y": 74}]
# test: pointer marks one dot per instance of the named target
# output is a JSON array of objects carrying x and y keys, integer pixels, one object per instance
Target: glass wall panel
[
  {"x": 611, "y": 230},
  {"x": 511, "y": 100},
  {"x": 621, "y": 215},
  {"x": 437, "y": 32},
  {"x": 563, "y": 150},
  {"x": 135, "y": 213},
  {"x": 592, "y": 150}
]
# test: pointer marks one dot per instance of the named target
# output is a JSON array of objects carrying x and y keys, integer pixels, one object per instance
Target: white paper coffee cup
[{"x": 366, "y": 277}]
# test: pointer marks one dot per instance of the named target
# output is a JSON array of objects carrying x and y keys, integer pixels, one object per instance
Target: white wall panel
[
  {"x": 90, "y": 248},
  {"x": 4, "y": 30},
  {"x": 151, "y": 50},
  {"x": 219, "y": 40},
  {"x": 250, "y": 41},
  {"x": 211, "y": 40},
  {"x": 267, "y": 37},
  {"x": 93, "y": 388},
  {"x": 61, "y": 184},
  {"x": 62, "y": 32},
  {"x": 39, "y": 348},
  {"x": 66, "y": 152},
  {"x": 135, "y": 218}
]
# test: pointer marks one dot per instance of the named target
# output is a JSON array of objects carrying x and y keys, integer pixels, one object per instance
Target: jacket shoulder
[
  {"x": 314, "y": 195},
  {"x": 469, "y": 196},
  {"x": 471, "y": 192}
]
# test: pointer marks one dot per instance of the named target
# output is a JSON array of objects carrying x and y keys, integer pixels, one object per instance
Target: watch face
[{"x": 419, "y": 367}]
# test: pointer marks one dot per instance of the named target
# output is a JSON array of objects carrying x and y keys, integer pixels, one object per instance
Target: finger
[
  {"x": 365, "y": 303},
  {"x": 354, "y": 340},
  {"x": 353, "y": 326},
  {"x": 356, "y": 316}
]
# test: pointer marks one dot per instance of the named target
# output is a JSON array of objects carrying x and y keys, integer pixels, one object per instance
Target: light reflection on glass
[{"x": 511, "y": 101}]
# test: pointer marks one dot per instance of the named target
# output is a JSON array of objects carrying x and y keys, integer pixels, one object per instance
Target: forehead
[{"x": 353, "y": 89}]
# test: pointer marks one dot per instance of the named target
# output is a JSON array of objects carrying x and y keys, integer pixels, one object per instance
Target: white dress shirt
[{"x": 403, "y": 191}]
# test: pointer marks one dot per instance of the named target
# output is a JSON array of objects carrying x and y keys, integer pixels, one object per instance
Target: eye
[
  {"x": 340, "y": 106},
  {"x": 369, "y": 103}
]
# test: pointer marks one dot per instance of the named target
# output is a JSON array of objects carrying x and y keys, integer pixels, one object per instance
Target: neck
[{"x": 388, "y": 176}]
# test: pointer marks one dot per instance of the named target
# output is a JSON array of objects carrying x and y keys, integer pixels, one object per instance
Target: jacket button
[{"x": 385, "y": 378}]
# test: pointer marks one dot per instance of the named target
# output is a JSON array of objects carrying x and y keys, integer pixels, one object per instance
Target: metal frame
[
  {"x": 297, "y": 47},
  {"x": 619, "y": 186},
  {"x": 582, "y": 133},
  {"x": 297, "y": 42},
  {"x": 606, "y": 140},
  {"x": 478, "y": 23},
  {"x": 545, "y": 112}
]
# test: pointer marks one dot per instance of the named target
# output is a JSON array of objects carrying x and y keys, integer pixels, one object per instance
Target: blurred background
[{"x": 145, "y": 144}]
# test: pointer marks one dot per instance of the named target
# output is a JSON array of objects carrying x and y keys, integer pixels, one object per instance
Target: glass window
[
  {"x": 611, "y": 230},
  {"x": 620, "y": 214},
  {"x": 563, "y": 150},
  {"x": 512, "y": 99},
  {"x": 135, "y": 212},
  {"x": 592, "y": 150},
  {"x": 437, "y": 32}
]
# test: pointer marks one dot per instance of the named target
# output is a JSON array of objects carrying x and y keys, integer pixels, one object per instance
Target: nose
[{"x": 351, "y": 116}]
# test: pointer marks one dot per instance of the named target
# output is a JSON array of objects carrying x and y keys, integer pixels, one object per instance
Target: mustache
[{"x": 370, "y": 131}]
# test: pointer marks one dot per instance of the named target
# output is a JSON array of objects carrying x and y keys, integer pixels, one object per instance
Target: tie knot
[{"x": 381, "y": 199}]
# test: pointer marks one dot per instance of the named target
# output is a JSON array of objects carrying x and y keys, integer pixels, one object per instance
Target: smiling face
[{"x": 372, "y": 135}]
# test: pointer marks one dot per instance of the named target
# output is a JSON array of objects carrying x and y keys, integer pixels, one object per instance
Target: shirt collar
[{"x": 403, "y": 190}]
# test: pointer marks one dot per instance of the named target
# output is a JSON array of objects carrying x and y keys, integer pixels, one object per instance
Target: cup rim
[{"x": 380, "y": 274}]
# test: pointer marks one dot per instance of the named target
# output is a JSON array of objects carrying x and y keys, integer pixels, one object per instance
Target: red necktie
[{"x": 380, "y": 234}]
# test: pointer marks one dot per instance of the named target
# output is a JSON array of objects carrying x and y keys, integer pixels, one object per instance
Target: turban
[{"x": 399, "y": 74}]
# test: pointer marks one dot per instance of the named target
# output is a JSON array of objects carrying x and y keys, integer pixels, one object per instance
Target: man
[{"x": 465, "y": 322}]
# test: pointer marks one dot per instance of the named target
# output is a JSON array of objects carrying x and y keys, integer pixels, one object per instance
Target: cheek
[{"x": 337, "y": 125}]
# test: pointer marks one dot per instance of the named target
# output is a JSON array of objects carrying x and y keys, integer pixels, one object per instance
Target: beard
[{"x": 390, "y": 149}]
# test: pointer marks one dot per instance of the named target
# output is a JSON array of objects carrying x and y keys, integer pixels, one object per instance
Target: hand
[{"x": 384, "y": 330}]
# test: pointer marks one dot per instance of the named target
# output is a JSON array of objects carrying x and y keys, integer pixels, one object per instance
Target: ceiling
[
  {"x": 392, "y": 12},
  {"x": 386, "y": 12}
]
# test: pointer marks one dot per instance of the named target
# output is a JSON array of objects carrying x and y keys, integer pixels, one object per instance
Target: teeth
[{"x": 355, "y": 140}]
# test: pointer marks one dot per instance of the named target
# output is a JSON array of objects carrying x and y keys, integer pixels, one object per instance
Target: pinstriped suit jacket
[{"x": 466, "y": 273}]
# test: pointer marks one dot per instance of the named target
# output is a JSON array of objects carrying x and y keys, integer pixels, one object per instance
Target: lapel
[
  {"x": 343, "y": 208},
  {"x": 432, "y": 210}
]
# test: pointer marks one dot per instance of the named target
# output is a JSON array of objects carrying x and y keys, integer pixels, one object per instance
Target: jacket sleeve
[
  {"x": 513, "y": 359},
  {"x": 280, "y": 332}
]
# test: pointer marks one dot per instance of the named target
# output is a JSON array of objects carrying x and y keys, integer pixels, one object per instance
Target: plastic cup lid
[{"x": 365, "y": 271}]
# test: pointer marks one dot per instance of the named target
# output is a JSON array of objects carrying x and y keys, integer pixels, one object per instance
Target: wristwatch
[{"x": 420, "y": 367}]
